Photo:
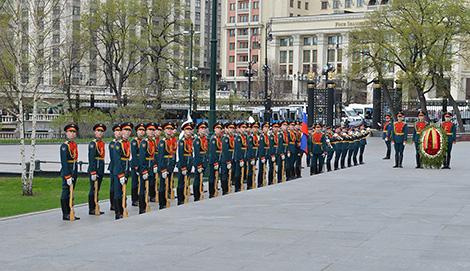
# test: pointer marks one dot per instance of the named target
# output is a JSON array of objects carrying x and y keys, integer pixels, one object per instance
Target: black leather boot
[
  {"x": 355, "y": 160},
  {"x": 387, "y": 156},
  {"x": 400, "y": 160},
  {"x": 418, "y": 163},
  {"x": 161, "y": 200},
  {"x": 196, "y": 193},
  {"x": 64, "y": 204},
  {"x": 91, "y": 205},
  {"x": 180, "y": 195},
  {"x": 397, "y": 157},
  {"x": 342, "y": 164},
  {"x": 336, "y": 165},
  {"x": 134, "y": 197},
  {"x": 361, "y": 159},
  {"x": 328, "y": 166},
  {"x": 211, "y": 190},
  {"x": 152, "y": 193},
  {"x": 111, "y": 201},
  {"x": 118, "y": 208},
  {"x": 299, "y": 172}
]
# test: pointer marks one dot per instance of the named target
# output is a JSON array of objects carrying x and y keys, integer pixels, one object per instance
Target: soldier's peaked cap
[
  {"x": 71, "y": 127},
  {"x": 99, "y": 126}
]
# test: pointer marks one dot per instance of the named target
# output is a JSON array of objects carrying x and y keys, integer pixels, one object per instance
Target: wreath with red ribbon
[{"x": 433, "y": 146}]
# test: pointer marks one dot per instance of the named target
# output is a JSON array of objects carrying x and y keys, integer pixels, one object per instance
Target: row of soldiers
[
  {"x": 396, "y": 133},
  {"x": 231, "y": 155}
]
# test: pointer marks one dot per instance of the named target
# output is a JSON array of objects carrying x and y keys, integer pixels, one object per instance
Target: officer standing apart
[
  {"x": 451, "y": 131},
  {"x": 419, "y": 126},
  {"x": 215, "y": 151},
  {"x": 200, "y": 158},
  {"x": 96, "y": 153},
  {"x": 135, "y": 146},
  {"x": 68, "y": 170},
  {"x": 387, "y": 135},
  {"x": 399, "y": 138},
  {"x": 185, "y": 162},
  {"x": 122, "y": 155},
  {"x": 317, "y": 149}
]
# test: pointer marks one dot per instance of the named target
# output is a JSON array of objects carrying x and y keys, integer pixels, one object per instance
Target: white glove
[
  {"x": 69, "y": 181},
  {"x": 368, "y": 129},
  {"x": 273, "y": 159},
  {"x": 242, "y": 164},
  {"x": 350, "y": 132},
  {"x": 323, "y": 155},
  {"x": 263, "y": 160},
  {"x": 137, "y": 173},
  {"x": 335, "y": 135},
  {"x": 122, "y": 180},
  {"x": 145, "y": 176},
  {"x": 380, "y": 124},
  {"x": 252, "y": 162},
  {"x": 93, "y": 177},
  {"x": 327, "y": 141},
  {"x": 216, "y": 167},
  {"x": 229, "y": 165},
  {"x": 288, "y": 154},
  {"x": 404, "y": 143},
  {"x": 155, "y": 170},
  {"x": 184, "y": 172},
  {"x": 386, "y": 139},
  {"x": 283, "y": 157},
  {"x": 165, "y": 175},
  {"x": 200, "y": 170}
]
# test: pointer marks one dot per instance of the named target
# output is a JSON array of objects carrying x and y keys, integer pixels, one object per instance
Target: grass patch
[{"x": 47, "y": 193}]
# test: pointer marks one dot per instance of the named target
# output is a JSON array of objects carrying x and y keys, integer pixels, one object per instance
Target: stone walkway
[{"x": 369, "y": 217}]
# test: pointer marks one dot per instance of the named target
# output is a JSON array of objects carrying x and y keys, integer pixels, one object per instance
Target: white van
[{"x": 365, "y": 111}]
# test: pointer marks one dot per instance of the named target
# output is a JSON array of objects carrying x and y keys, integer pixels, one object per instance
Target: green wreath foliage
[{"x": 433, "y": 161}]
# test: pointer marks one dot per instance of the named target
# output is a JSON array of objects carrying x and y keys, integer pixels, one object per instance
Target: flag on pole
[{"x": 304, "y": 130}]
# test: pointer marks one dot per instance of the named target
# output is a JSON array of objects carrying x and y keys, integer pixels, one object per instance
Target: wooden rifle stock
[
  {"x": 97, "y": 206},
  {"x": 264, "y": 173},
  {"x": 242, "y": 179},
  {"x": 124, "y": 199},
  {"x": 186, "y": 188},
  {"x": 72, "y": 211},
  {"x": 166, "y": 193},
  {"x": 147, "y": 206},
  {"x": 216, "y": 190},
  {"x": 253, "y": 179},
  {"x": 283, "y": 171},
  {"x": 230, "y": 181},
  {"x": 172, "y": 193},
  {"x": 157, "y": 183},
  {"x": 201, "y": 186}
]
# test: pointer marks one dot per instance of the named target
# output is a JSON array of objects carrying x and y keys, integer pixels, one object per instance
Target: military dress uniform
[
  {"x": 351, "y": 145},
  {"x": 147, "y": 167},
  {"x": 363, "y": 135},
  {"x": 330, "y": 149},
  {"x": 386, "y": 136},
  {"x": 68, "y": 171},
  {"x": 96, "y": 153},
  {"x": 346, "y": 140},
  {"x": 282, "y": 153},
  {"x": 357, "y": 145},
  {"x": 135, "y": 146},
  {"x": 317, "y": 149},
  {"x": 185, "y": 162},
  {"x": 251, "y": 157},
  {"x": 272, "y": 154},
  {"x": 263, "y": 155},
  {"x": 227, "y": 163},
  {"x": 215, "y": 153},
  {"x": 338, "y": 146},
  {"x": 451, "y": 131},
  {"x": 418, "y": 128},
  {"x": 116, "y": 127},
  {"x": 153, "y": 181},
  {"x": 291, "y": 152},
  {"x": 200, "y": 160},
  {"x": 121, "y": 171},
  {"x": 299, "y": 152},
  {"x": 399, "y": 138},
  {"x": 239, "y": 157},
  {"x": 164, "y": 160}
]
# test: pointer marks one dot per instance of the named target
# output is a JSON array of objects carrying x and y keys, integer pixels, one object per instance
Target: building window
[
  {"x": 232, "y": 46},
  {"x": 243, "y": 18},
  {"x": 332, "y": 40},
  {"x": 299, "y": 4},
  {"x": 335, "y": 3},
  {"x": 244, "y": 5},
  {"x": 231, "y": 73},
  {"x": 283, "y": 69},
  {"x": 291, "y": 3},
  {"x": 291, "y": 56},
  {"x": 197, "y": 3},
  {"x": 232, "y": 32},
  {"x": 232, "y": 6},
  {"x": 243, "y": 44},
  {"x": 291, "y": 69},
  {"x": 291, "y": 41},
  {"x": 360, "y": 3},
  {"x": 255, "y": 18},
  {"x": 198, "y": 16},
  {"x": 256, "y": 5},
  {"x": 283, "y": 57},
  {"x": 291, "y": 14},
  {"x": 255, "y": 31},
  {"x": 347, "y": 3},
  {"x": 187, "y": 2},
  {"x": 306, "y": 56},
  {"x": 314, "y": 56},
  {"x": 284, "y": 41},
  {"x": 243, "y": 58},
  {"x": 232, "y": 19},
  {"x": 307, "y": 41},
  {"x": 331, "y": 55},
  {"x": 306, "y": 68},
  {"x": 255, "y": 58},
  {"x": 324, "y": 5},
  {"x": 256, "y": 45},
  {"x": 339, "y": 57},
  {"x": 231, "y": 59},
  {"x": 339, "y": 67},
  {"x": 56, "y": 10},
  {"x": 306, "y": 5},
  {"x": 55, "y": 52},
  {"x": 76, "y": 10},
  {"x": 243, "y": 32},
  {"x": 315, "y": 40}
]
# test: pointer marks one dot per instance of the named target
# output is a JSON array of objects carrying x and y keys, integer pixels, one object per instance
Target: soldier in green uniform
[
  {"x": 451, "y": 131},
  {"x": 215, "y": 152},
  {"x": 165, "y": 155},
  {"x": 239, "y": 155},
  {"x": 419, "y": 126},
  {"x": 135, "y": 146},
  {"x": 329, "y": 144},
  {"x": 317, "y": 147},
  {"x": 185, "y": 162},
  {"x": 299, "y": 152},
  {"x": 387, "y": 135},
  {"x": 200, "y": 158},
  {"x": 263, "y": 154},
  {"x": 96, "y": 153},
  {"x": 122, "y": 155},
  {"x": 338, "y": 145},
  {"x": 68, "y": 170},
  {"x": 153, "y": 181},
  {"x": 252, "y": 155},
  {"x": 282, "y": 151},
  {"x": 399, "y": 139},
  {"x": 117, "y": 134},
  {"x": 272, "y": 154},
  {"x": 291, "y": 151},
  {"x": 228, "y": 146},
  {"x": 147, "y": 166},
  {"x": 364, "y": 133},
  {"x": 357, "y": 144},
  {"x": 346, "y": 141}
]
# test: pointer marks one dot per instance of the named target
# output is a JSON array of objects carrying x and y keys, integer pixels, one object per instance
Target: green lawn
[{"x": 46, "y": 194}]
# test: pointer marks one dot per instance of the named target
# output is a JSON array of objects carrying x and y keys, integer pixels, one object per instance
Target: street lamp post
[
  {"x": 299, "y": 77},
  {"x": 249, "y": 73},
  {"x": 267, "y": 93},
  {"x": 212, "y": 118},
  {"x": 191, "y": 68}
]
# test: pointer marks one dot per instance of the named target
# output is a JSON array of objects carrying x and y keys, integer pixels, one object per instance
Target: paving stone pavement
[{"x": 368, "y": 217}]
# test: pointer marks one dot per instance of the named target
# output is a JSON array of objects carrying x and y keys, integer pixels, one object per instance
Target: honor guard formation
[{"x": 241, "y": 155}]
